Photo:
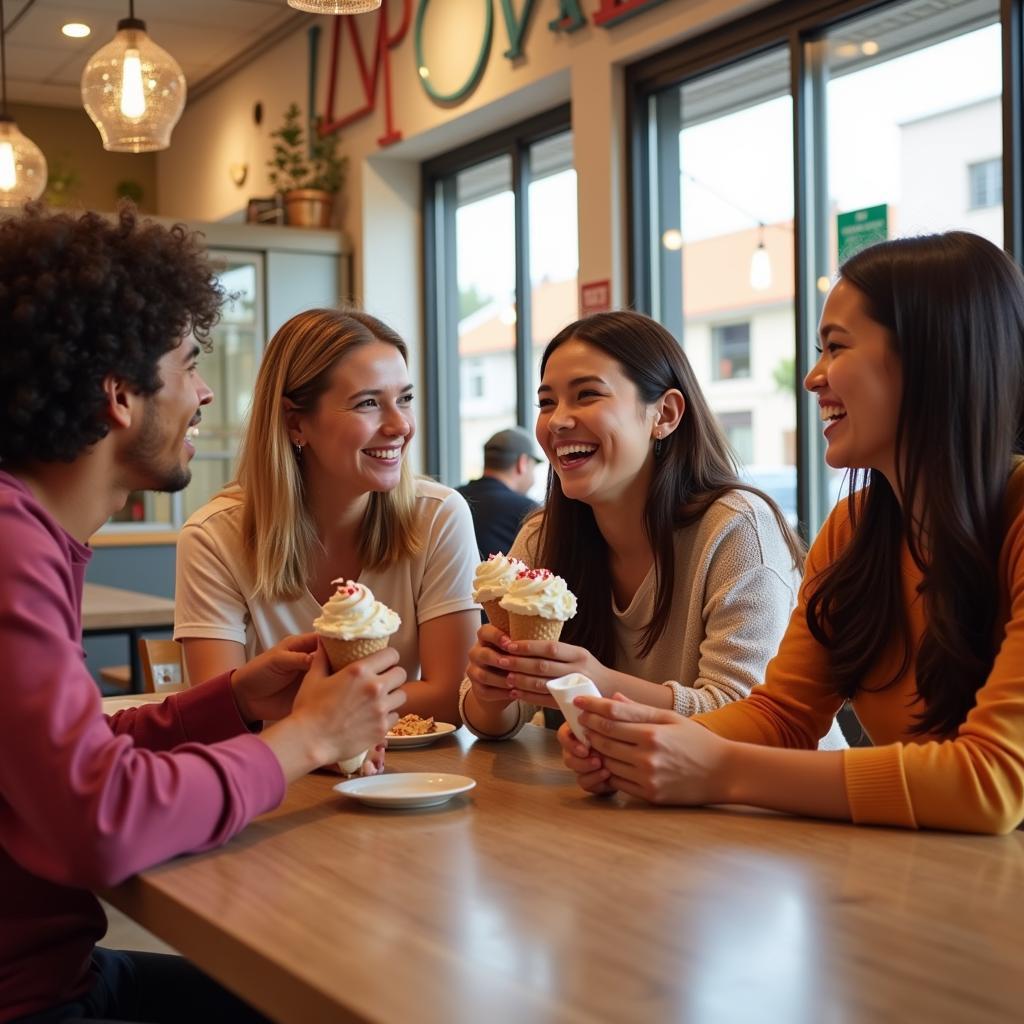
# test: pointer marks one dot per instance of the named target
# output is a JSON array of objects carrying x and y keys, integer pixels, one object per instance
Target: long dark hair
[
  {"x": 694, "y": 469},
  {"x": 954, "y": 304}
]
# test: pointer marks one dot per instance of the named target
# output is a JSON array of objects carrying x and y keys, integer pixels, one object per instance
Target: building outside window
[
  {"x": 985, "y": 183},
  {"x": 886, "y": 139},
  {"x": 739, "y": 429},
  {"x": 502, "y": 235},
  {"x": 730, "y": 351}
]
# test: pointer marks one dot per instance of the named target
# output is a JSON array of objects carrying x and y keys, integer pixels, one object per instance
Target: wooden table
[
  {"x": 527, "y": 901},
  {"x": 107, "y": 610}
]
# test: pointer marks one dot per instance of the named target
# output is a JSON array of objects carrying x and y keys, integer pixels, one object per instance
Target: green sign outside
[{"x": 860, "y": 228}]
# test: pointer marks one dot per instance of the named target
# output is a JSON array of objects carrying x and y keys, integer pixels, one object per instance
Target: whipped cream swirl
[
  {"x": 495, "y": 576},
  {"x": 353, "y": 613},
  {"x": 540, "y": 592}
]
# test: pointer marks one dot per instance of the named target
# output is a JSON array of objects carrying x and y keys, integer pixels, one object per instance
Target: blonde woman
[{"x": 324, "y": 491}]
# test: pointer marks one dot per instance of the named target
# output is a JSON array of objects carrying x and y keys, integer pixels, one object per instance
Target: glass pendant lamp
[
  {"x": 133, "y": 90},
  {"x": 22, "y": 164},
  {"x": 335, "y": 6}
]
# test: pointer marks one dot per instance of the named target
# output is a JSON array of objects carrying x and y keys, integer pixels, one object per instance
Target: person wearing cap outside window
[{"x": 498, "y": 498}]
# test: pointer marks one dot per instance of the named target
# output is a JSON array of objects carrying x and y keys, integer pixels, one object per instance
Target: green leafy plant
[
  {"x": 288, "y": 166},
  {"x": 129, "y": 190},
  {"x": 329, "y": 169},
  {"x": 62, "y": 182},
  {"x": 295, "y": 164}
]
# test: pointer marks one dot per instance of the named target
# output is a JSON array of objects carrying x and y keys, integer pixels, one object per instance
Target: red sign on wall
[{"x": 595, "y": 297}]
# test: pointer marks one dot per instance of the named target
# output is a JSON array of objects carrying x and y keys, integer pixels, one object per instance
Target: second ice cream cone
[
  {"x": 496, "y": 615},
  {"x": 533, "y": 627}
]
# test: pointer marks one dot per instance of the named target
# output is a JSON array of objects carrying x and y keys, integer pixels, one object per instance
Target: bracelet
[{"x": 680, "y": 698}]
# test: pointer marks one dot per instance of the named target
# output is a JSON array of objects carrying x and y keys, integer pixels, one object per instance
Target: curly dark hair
[{"x": 82, "y": 297}]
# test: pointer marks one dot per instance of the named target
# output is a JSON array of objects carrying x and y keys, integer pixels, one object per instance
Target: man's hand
[
  {"x": 265, "y": 687},
  {"x": 336, "y": 716}
]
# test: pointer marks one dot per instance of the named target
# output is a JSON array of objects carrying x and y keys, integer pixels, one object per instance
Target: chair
[{"x": 163, "y": 670}]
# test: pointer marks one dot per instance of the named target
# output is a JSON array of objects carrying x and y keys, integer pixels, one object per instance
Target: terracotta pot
[{"x": 309, "y": 207}]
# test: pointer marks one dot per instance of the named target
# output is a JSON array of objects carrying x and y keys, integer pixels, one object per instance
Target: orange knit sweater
[{"x": 971, "y": 782}]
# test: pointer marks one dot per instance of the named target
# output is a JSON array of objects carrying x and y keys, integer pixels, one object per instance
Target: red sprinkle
[{"x": 534, "y": 574}]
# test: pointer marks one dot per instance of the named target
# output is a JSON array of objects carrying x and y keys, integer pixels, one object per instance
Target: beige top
[{"x": 735, "y": 587}]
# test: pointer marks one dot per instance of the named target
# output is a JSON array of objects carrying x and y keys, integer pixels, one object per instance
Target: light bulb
[
  {"x": 8, "y": 172},
  {"x": 760, "y": 269},
  {"x": 133, "y": 96},
  {"x": 22, "y": 166}
]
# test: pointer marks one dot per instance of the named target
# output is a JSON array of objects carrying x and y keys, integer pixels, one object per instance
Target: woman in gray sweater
[{"x": 685, "y": 576}]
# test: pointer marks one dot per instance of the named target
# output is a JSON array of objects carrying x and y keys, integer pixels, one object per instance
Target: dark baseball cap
[{"x": 514, "y": 441}]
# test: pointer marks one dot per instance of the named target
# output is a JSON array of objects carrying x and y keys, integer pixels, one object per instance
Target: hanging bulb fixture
[
  {"x": 22, "y": 164},
  {"x": 760, "y": 265},
  {"x": 133, "y": 90},
  {"x": 335, "y": 6}
]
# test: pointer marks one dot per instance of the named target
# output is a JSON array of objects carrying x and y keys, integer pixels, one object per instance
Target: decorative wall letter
[
  {"x": 516, "y": 29},
  {"x": 570, "y": 17},
  {"x": 612, "y": 12},
  {"x": 381, "y": 59},
  {"x": 464, "y": 90}
]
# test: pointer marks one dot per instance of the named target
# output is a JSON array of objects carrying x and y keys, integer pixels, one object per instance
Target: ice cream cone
[
  {"x": 353, "y": 625},
  {"x": 534, "y": 627},
  {"x": 496, "y": 615},
  {"x": 343, "y": 652}
]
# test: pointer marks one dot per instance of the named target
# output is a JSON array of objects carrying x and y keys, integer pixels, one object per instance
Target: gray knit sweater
[{"x": 735, "y": 588}]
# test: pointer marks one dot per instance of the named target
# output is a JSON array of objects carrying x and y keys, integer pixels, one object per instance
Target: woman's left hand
[
  {"x": 656, "y": 754},
  {"x": 265, "y": 687},
  {"x": 531, "y": 663}
]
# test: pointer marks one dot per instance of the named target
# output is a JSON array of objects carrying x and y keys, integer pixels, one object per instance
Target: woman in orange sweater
[{"x": 912, "y": 605}]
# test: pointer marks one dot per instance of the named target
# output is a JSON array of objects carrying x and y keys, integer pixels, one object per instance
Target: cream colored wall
[
  {"x": 68, "y": 137},
  {"x": 382, "y": 203}
]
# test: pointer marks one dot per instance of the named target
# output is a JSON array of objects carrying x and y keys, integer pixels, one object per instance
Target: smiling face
[
  {"x": 160, "y": 454},
  {"x": 357, "y": 434},
  {"x": 858, "y": 382},
  {"x": 592, "y": 425}
]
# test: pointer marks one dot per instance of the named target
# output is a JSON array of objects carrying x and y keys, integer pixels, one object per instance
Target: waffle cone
[
  {"x": 496, "y": 615},
  {"x": 343, "y": 652},
  {"x": 533, "y": 627}
]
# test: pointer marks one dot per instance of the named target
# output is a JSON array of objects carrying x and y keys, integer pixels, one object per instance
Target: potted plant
[{"x": 307, "y": 176}]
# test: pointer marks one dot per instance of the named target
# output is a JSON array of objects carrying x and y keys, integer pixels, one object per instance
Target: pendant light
[
  {"x": 22, "y": 164},
  {"x": 133, "y": 90},
  {"x": 335, "y": 6}
]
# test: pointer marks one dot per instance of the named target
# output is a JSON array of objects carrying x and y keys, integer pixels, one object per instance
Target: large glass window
[
  {"x": 741, "y": 224},
  {"x": 502, "y": 257}
]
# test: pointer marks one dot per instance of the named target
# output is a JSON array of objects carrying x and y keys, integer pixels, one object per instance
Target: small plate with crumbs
[{"x": 413, "y": 731}]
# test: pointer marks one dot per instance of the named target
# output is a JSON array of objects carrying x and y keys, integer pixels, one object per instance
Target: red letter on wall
[
  {"x": 612, "y": 12},
  {"x": 385, "y": 43}
]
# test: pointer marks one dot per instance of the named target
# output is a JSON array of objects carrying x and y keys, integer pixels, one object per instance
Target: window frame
[
  {"x": 438, "y": 176},
  {"x": 652, "y": 171}
]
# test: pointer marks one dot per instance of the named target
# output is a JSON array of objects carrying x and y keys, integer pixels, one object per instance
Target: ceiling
[{"x": 203, "y": 36}]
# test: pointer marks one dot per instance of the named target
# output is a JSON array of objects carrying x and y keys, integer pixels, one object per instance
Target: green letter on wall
[
  {"x": 516, "y": 29},
  {"x": 570, "y": 17}
]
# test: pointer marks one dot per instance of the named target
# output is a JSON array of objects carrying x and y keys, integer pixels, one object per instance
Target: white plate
[
  {"x": 112, "y": 704},
  {"x": 406, "y": 789},
  {"x": 440, "y": 729}
]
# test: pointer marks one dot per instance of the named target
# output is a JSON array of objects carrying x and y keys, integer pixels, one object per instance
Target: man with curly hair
[{"x": 101, "y": 324}]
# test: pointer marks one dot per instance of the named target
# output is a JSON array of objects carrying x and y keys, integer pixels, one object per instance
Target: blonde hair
[{"x": 279, "y": 534}]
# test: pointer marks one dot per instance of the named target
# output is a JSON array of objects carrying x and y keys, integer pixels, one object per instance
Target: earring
[
  {"x": 297, "y": 445},
  {"x": 657, "y": 445}
]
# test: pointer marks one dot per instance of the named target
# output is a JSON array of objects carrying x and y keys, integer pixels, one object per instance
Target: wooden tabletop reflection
[{"x": 525, "y": 900}]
